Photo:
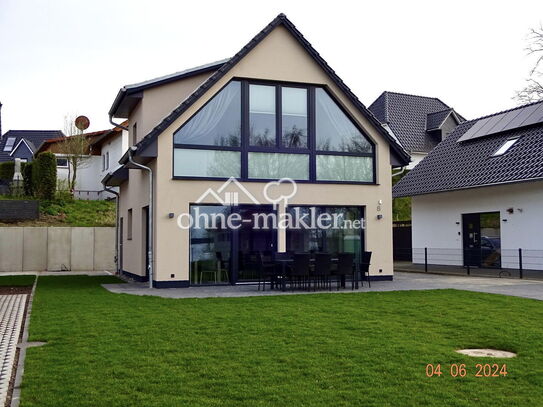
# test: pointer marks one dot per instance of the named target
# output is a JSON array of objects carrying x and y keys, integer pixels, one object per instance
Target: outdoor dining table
[{"x": 284, "y": 262}]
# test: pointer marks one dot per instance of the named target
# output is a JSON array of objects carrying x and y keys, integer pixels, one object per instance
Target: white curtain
[{"x": 203, "y": 127}]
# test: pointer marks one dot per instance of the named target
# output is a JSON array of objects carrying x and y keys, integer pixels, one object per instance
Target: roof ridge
[
  {"x": 440, "y": 111},
  {"x": 413, "y": 95},
  {"x": 503, "y": 111}
]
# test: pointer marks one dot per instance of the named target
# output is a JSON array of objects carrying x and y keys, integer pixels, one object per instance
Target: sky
[{"x": 69, "y": 57}]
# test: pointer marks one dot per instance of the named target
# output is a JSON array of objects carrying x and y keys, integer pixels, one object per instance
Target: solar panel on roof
[
  {"x": 468, "y": 135},
  {"x": 499, "y": 123},
  {"x": 505, "y": 119},
  {"x": 535, "y": 117}
]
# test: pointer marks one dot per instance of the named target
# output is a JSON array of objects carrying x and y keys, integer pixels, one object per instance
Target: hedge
[
  {"x": 6, "y": 171},
  {"x": 27, "y": 179},
  {"x": 44, "y": 175}
]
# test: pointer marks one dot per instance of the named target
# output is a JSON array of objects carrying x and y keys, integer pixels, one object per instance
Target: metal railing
[{"x": 521, "y": 263}]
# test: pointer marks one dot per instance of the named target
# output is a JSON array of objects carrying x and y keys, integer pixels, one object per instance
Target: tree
[
  {"x": 533, "y": 91},
  {"x": 76, "y": 148},
  {"x": 44, "y": 175}
]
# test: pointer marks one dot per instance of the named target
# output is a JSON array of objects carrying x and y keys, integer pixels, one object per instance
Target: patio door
[{"x": 252, "y": 238}]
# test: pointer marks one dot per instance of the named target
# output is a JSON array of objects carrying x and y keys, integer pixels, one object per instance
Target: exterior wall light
[{"x": 171, "y": 215}]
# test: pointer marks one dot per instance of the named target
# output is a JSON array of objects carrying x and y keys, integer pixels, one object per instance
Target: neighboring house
[
  {"x": 418, "y": 122},
  {"x": 478, "y": 196},
  {"x": 275, "y": 109},
  {"x": 105, "y": 149},
  {"x": 23, "y": 144}
]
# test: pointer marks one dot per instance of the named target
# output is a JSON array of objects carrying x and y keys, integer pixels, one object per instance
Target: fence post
[
  {"x": 426, "y": 260},
  {"x": 520, "y": 262}
]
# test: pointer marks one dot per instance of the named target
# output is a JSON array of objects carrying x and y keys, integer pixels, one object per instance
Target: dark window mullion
[
  {"x": 311, "y": 134},
  {"x": 278, "y": 117},
  {"x": 245, "y": 126}
]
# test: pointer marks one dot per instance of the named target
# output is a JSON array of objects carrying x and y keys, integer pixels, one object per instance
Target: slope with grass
[{"x": 360, "y": 349}]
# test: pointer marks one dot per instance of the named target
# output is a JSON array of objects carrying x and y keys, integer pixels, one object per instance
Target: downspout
[
  {"x": 117, "y": 229},
  {"x": 115, "y": 124},
  {"x": 150, "y": 221},
  {"x": 402, "y": 170}
]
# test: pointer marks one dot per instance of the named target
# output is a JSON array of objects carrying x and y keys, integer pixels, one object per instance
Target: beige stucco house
[{"x": 275, "y": 110}]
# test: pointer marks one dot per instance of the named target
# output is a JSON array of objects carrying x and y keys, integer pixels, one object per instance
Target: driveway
[{"x": 402, "y": 281}]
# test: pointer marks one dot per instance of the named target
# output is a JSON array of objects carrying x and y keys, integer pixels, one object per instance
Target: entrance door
[
  {"x": 256, "y": 235},
  {"x": 472, "y": 239},
  {"x": 481, "y": 238}
]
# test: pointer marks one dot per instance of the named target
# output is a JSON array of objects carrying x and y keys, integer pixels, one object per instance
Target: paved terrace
[{"x": 402, "y": 281}]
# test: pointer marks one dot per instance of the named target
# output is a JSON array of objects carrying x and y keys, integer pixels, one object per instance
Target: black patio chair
[
  {"x": 365, "y": 262},
  {"x": 265, "y": 271},
  {"x": 345, "y": 267},
  {"x": 299, "y": 271},
  {"x": 322, "y": 270}
]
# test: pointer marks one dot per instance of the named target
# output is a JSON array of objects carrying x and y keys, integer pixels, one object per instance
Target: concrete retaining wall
[{"x": 56, "y": 248}]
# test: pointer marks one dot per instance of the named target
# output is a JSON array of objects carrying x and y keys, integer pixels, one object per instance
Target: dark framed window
[
  {"x": 129, "y": 225},
  {"x": 135, "y": 134},
  {"x": 349, "y": 238},
  {"x": 62, "y": 162},
  {"x": 262, "y": 130}
]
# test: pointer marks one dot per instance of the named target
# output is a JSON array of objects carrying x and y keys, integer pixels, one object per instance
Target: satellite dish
[{"x": 82, "y": 122}]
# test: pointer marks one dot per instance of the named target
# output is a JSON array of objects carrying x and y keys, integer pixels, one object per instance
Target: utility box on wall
[{"x": 14, "y": 210}]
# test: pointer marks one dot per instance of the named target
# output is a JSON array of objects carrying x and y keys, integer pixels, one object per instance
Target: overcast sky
[{"x": 70, "y": 56}]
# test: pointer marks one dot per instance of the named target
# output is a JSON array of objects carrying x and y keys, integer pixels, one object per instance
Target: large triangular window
[
  {"x": 334, "y": 130},
  {"x": 218, "y": 123}
]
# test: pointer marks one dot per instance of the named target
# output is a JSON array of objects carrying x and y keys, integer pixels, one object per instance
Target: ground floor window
[
  {"x": 220, "y": 254},
  {"x": 348, "y": 238}
]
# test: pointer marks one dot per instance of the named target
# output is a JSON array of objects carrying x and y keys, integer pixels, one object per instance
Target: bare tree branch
[
  {"x": 533, "y": 91},
  {"x": 76, "y": 148}
]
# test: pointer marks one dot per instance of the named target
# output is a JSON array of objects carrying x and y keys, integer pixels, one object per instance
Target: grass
[
  {"x": 17, "y": 281},
  {"x": 72, "y": 212},
  {"x": 368, "y": 349}
]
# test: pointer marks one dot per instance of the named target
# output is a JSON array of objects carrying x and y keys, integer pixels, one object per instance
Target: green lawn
[
  {"x": 17, "y": 281},
  {"x": 362, "y": 349}
]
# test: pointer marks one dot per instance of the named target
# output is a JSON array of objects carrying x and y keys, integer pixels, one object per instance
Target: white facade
[
  {"x": 95, "y": 167},
  {"x": 415, "y": 159},
  {"x": 437, "y": 223}
]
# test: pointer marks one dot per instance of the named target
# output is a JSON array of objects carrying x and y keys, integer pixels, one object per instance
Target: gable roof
[
  {"x": 410, "y": 117},
  {"x": 33, "y": 138},
  {"x": 128, "y": 95},
  {"x": 281, "y": 19},
  {"x": 454, "y": 165},
  {"x": 31, "y": 148}
]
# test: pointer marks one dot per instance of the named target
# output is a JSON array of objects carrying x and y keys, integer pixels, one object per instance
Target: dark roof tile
[{"x": 456, "y": 165}]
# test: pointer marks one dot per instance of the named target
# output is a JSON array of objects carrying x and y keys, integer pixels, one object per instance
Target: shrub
[
  {"x": 27, "y": 179},
  {"x": 6, "y": 171},
  {"x": 44, "y": 175}
]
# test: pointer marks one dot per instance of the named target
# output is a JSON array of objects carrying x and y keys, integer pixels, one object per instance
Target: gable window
[
  {"x": 218, "y": 123},
  {"x": 505, "y": 147},
  {"x": 262, "y": 117},
  {"x": 294, "y": 117},
  {"x": 261, "y": 130},
  {"x": 9, "y": 144}
]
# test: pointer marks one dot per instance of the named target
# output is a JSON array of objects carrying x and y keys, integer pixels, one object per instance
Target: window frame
[
  {"x": 62, "y": 158},
  {"x": 310, "y": 150},
  {"x": 9, "y": 149}
]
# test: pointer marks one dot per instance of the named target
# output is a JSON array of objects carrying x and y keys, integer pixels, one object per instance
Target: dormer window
[
  {"x": 505, "y": 147},
  {"x": 9, "y": 144}
]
